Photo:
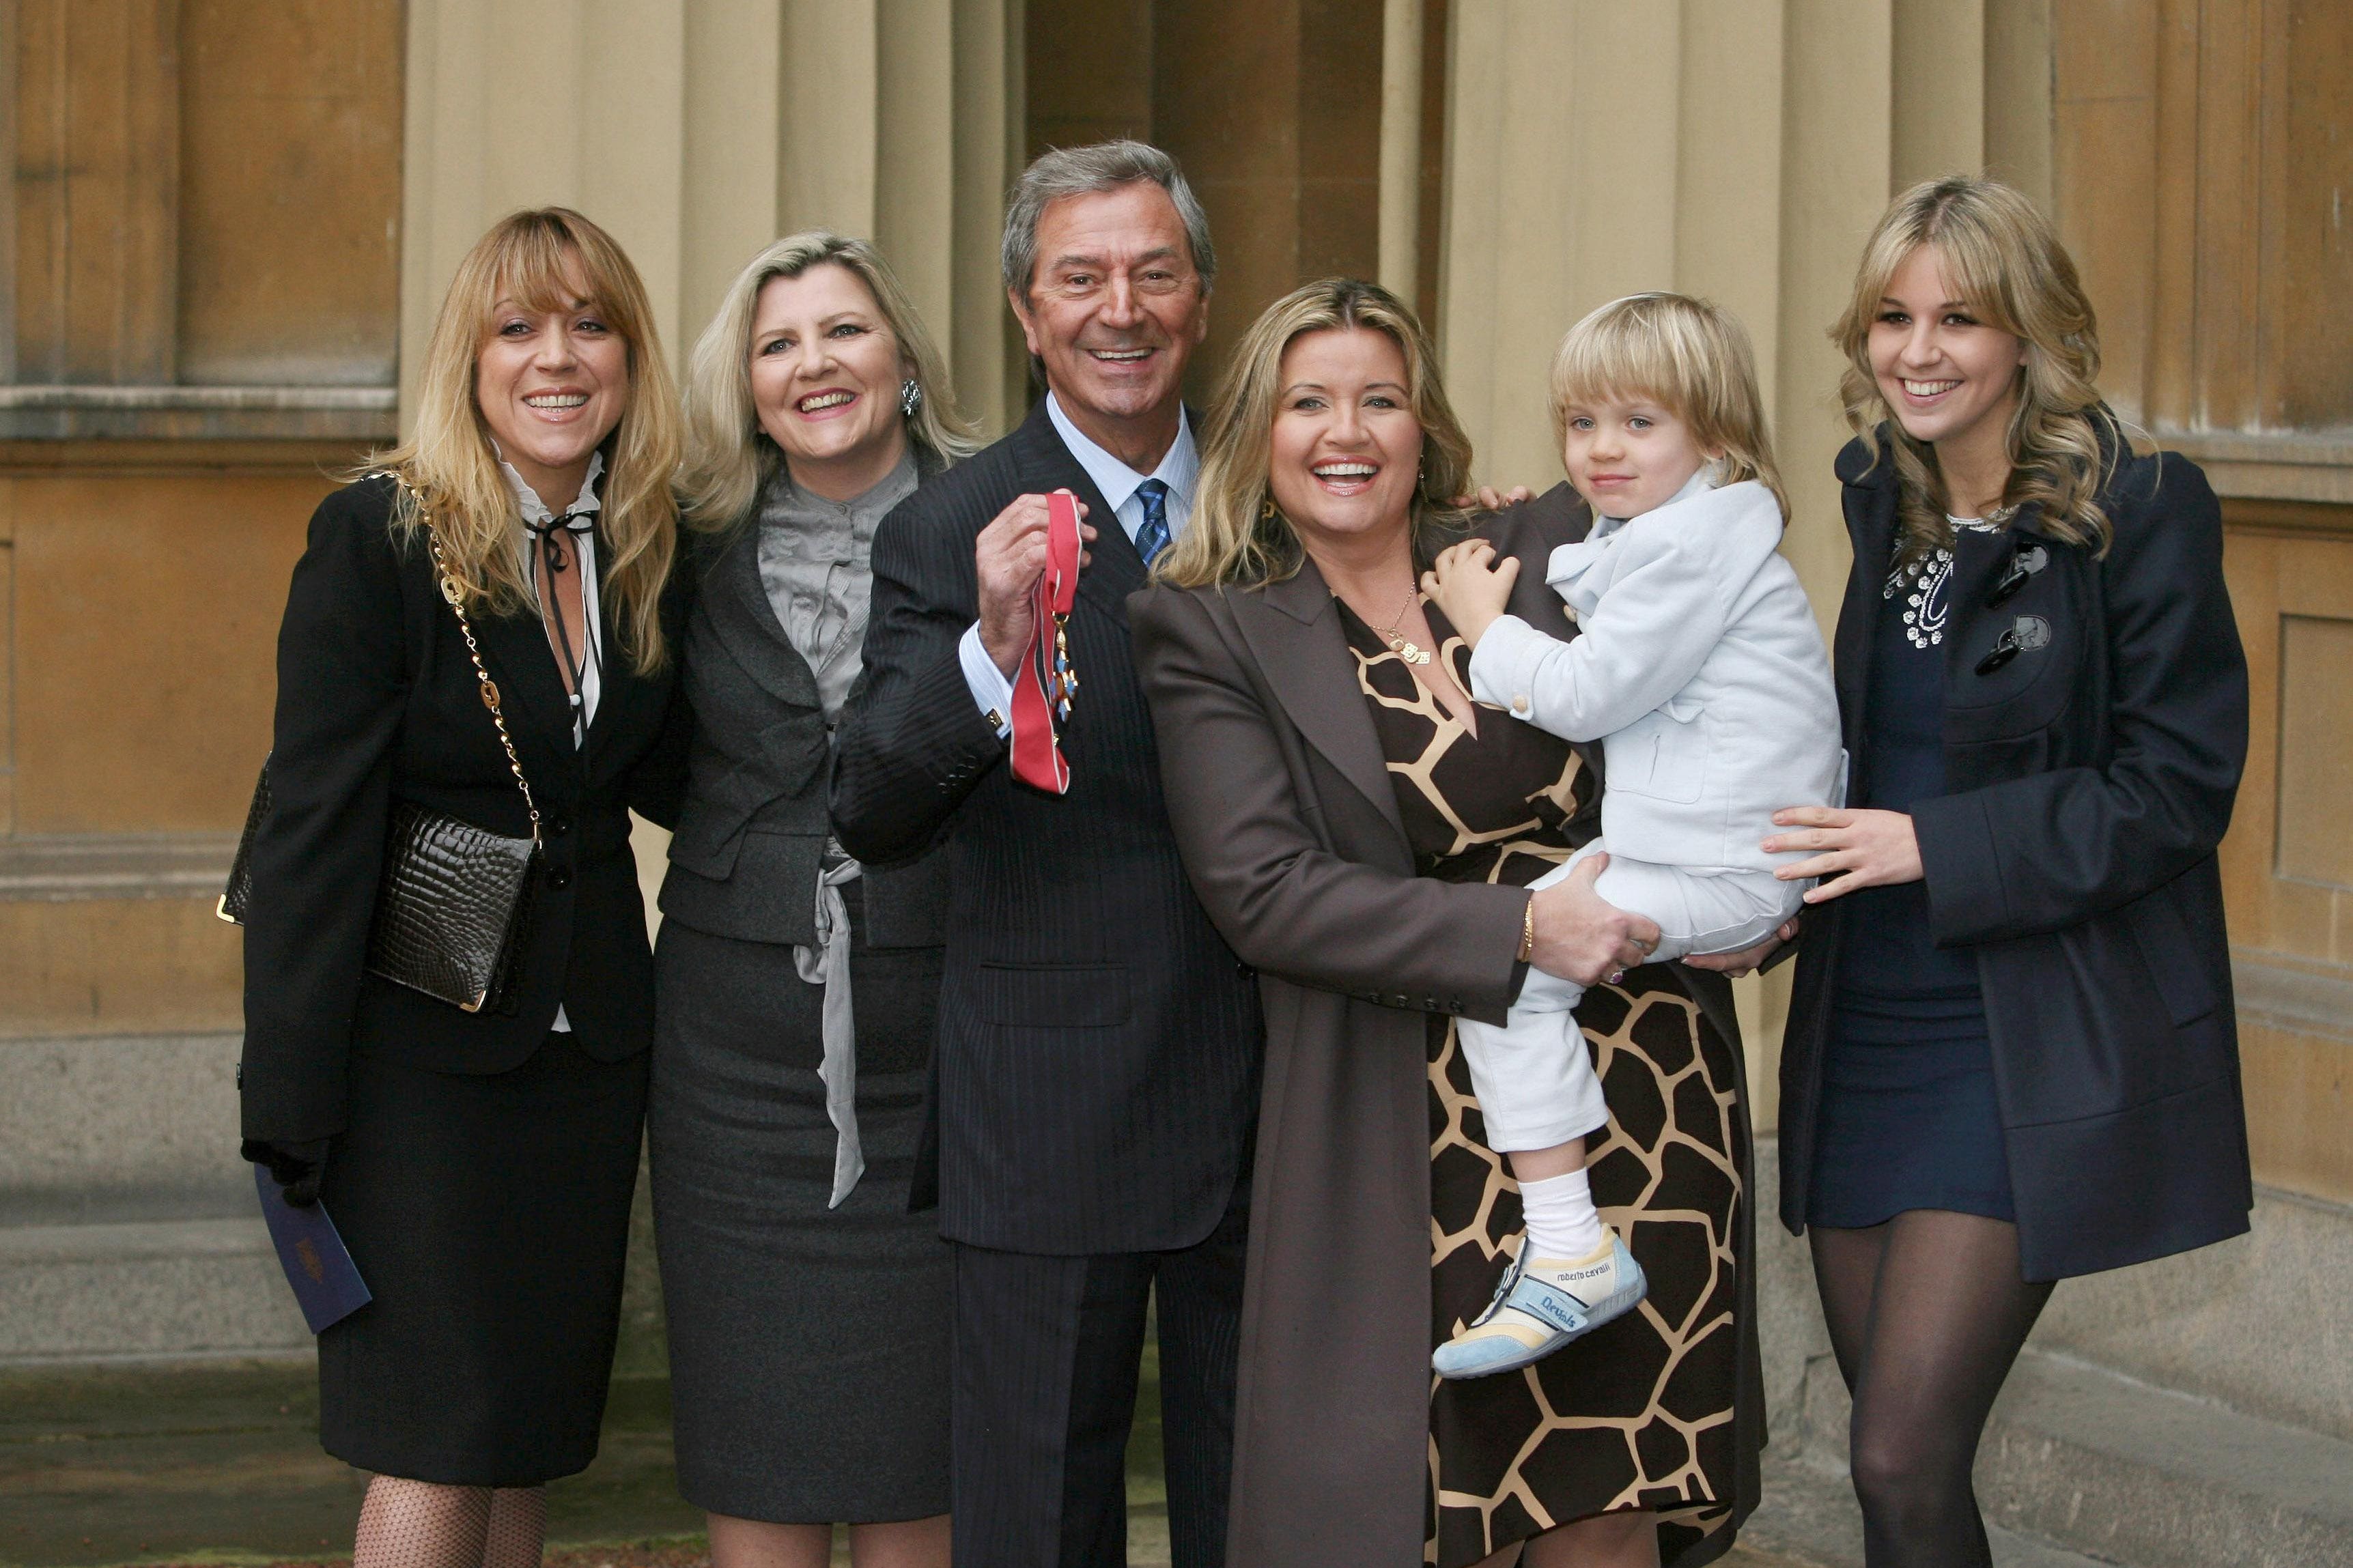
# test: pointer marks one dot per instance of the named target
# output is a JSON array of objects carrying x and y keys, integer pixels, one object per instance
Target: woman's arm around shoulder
[
  {"x": 2041, "y": 852},
  {"x": 341, "y": 689}
]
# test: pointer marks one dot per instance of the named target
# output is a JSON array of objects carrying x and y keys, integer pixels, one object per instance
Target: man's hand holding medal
[{"x": 1028, "y": 562}]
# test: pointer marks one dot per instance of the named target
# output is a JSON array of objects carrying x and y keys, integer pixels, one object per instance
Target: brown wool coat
[{"x": 1284, "y": 808}]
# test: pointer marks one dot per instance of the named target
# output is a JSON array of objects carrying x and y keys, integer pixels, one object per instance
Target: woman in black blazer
[
  {"x": 478, "y": 1165},
  {"x": 2011, "y": 1055},
  {"x": 797, "y": 990}
]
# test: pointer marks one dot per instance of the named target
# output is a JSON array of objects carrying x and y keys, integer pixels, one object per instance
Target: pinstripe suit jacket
[{"x": 1096, "y": 1076}]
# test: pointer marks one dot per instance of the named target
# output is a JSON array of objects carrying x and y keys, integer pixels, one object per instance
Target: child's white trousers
[{"x": 1533, "y": 1074}]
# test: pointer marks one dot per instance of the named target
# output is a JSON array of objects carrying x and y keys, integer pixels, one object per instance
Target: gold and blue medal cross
[{"x": 1062, "y": 682}]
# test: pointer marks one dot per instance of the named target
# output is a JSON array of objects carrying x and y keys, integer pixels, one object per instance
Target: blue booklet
[{"x": 327, "y": 1284}]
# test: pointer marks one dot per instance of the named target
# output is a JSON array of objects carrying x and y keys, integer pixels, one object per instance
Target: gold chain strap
[{"x": 456, "y": 595}]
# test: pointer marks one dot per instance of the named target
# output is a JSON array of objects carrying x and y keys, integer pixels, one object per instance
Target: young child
[{"x": 1701, "y": 670}]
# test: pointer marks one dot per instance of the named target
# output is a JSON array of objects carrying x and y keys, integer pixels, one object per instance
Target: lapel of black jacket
[
  {"x": 620, "y": 690},
  {"x": 532, "y": 698},
  {"x": 1294, "y": 630}
]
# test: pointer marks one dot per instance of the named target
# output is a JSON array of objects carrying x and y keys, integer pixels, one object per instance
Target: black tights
[{"x": 1927, "y": 1314}]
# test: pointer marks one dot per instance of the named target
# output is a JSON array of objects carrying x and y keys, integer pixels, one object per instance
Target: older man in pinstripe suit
[{"x": 1096, "y": 1073}]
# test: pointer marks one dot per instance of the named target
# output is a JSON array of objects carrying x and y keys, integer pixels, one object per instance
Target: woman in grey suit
[{"x": 796, "y": 990}]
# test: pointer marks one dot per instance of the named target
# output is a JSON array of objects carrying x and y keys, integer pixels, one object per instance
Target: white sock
[{"x": 1562, "y": 1223}]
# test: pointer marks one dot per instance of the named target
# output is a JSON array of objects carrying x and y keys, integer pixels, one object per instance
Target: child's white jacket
[{"x": 1700, "y": 668}]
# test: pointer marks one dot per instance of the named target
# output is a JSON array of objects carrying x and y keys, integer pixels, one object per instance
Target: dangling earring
[{"x": 911, "y": 397}]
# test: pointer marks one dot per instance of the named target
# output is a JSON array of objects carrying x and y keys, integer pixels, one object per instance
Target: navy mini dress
[{"x": 1908, "y": 1115}]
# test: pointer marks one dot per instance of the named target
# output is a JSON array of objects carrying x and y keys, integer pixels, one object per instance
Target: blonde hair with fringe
[
  {"x": 728, "y": 457},
  {"x": 1236, "y": 535},
  {"x": 1689, "y": 355},
  {"x": 545, "y": 259},
  {"x": 1999, "y": 254}
]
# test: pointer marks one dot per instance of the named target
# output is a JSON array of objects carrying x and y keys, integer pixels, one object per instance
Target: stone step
[
  {"x": 66, "y": 868},
  {"x": 2145, "y": 1475},
  {"x": 1808, "y": 1516},
  {"x": 102, "y": 1128},
  {"x": 2262, "y": 1323},
  {"x": 116, "y": 934},
  {"x": 2127, "y": 1472},
  {"x": 172, "y": 1289}
]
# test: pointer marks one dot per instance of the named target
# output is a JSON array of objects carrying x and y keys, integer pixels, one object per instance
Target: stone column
[{"x": 697, "y": 131}]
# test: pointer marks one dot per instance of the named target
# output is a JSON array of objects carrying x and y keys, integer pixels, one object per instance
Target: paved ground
[
  {"x": 125, "y": 1466},
  {"x": 219, "y": 1464}
]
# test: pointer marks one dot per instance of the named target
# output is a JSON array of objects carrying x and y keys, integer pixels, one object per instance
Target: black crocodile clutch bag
[
  {"x": 452, "y": 909},
  {"x": 239, "y": 894},
  {"x": 452, "y": 904}
]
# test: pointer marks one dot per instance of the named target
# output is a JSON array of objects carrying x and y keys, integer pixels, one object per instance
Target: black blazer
[
  {"x": 1099, "y": 1042},
  {"x": 2089, "y": 782},
  {"x": 744, "y": 859},
  {"x": 377, "y": 703}
]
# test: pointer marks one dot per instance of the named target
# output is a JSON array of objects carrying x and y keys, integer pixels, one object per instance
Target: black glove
[{"x": 297, "y": 1168}]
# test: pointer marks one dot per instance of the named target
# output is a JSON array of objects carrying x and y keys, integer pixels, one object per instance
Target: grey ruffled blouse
[
  {"x": 815, "y": 566},
  {"x": 815, "y": 558}
]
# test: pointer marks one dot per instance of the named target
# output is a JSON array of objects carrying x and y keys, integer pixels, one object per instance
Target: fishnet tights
[
  {"x": 416, "y": 1524},
  {"x": 1927, "y": 1314}
]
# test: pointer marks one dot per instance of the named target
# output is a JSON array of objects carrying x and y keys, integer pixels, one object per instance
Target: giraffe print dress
[{"x": 1639, "y": 1414}]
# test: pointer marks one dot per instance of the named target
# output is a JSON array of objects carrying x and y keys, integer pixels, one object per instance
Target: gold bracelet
[{"x": 1528, "y": 930}]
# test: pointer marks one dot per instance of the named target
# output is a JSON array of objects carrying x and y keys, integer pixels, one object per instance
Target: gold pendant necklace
[{"x": 1405, "y": 647}]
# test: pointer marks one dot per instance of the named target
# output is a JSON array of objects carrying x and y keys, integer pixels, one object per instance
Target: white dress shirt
[
  {"x": 1179, "y": 470},
  {"x": 590, "y": 680}
]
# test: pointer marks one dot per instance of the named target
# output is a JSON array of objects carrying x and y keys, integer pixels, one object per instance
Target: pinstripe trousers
[{"x": 1045, "y": 1375}]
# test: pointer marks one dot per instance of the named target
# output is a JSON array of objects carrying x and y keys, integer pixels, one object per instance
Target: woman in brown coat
[{"x": 1361, "y": 832}]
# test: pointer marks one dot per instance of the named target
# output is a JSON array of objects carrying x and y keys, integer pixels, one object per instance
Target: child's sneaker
[{"x": 1541, "y": 1305}]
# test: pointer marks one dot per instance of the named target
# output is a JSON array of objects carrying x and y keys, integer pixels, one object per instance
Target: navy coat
[{"x": 2089, "y": 781}]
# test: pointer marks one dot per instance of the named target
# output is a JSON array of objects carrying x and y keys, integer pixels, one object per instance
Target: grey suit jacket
[{"x": 751, "y": 834}]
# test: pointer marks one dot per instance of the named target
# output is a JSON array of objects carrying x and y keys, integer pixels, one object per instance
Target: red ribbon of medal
[{"x": 1044, "y": 684}]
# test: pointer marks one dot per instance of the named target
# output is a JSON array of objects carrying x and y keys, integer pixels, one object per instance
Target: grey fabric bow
[{"x": 828, "y": 965}]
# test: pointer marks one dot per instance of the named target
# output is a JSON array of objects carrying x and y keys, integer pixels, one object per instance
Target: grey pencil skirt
[{"x": 808, "y": 1346}]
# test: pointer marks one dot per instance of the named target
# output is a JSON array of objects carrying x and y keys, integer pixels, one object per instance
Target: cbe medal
[
  {"x": 1061, "y": 681},
  {"x": 1046, "y": 683}
]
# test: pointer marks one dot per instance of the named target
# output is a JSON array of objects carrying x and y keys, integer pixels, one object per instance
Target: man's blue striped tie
[{"x": 1152, "y": 538}]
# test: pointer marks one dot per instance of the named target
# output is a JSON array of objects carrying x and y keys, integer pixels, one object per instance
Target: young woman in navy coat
[{"x": 2012, "y": 1055}]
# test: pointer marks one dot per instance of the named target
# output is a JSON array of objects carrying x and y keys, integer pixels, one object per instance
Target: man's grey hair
[{"x": 1083, "y": 171}]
